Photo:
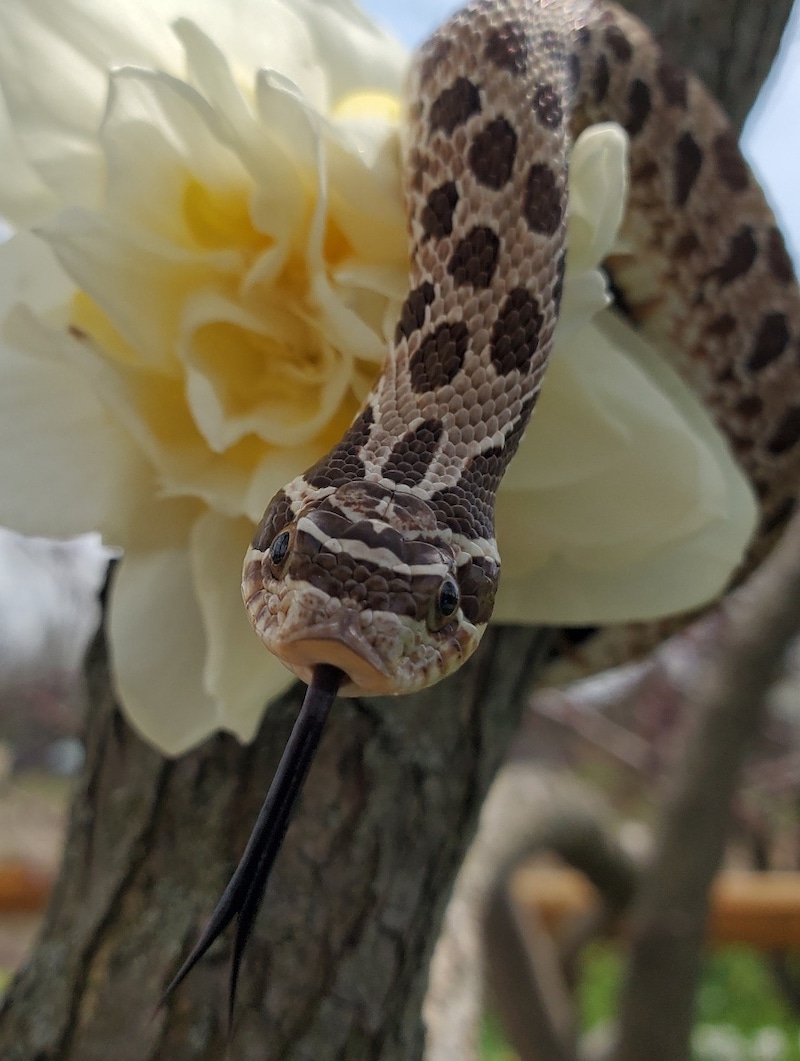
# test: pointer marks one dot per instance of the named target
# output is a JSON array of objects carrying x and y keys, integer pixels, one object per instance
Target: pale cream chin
[{"x": 367, "y": 671}]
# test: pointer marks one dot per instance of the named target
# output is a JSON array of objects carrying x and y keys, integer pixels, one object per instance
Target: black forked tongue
[{"x": 242, "y": 898}]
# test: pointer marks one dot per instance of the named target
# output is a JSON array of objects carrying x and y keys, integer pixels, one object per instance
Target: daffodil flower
[{"x": 208, "y": 262}]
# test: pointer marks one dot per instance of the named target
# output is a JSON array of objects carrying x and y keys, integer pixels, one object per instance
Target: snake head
[{"x": 365, "y": 579}]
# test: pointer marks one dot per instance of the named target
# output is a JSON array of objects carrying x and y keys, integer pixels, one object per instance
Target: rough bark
[
  {"x": 730, "y": 44},
  {"x": 338, "y": 968}
]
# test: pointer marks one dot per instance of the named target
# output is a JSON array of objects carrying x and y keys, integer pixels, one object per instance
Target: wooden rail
[{"x": 759, "y": 909}]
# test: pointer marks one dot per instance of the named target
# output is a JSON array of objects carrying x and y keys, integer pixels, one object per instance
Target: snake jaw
[{"x": 339, "y": 643}]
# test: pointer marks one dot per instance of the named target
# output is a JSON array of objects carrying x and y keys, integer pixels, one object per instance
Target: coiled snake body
[{"x": 375, "y": 572}]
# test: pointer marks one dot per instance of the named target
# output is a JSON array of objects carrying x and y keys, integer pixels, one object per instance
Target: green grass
[{"x": 741, "y": 1016}]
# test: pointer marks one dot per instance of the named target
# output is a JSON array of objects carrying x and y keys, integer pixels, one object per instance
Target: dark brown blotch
[
  {"x": 771, "y": 340},
  {"x": 474, "y": 259},
  {"x": 544, "y": 206},
  {"x": 439, "y": 358},
  {"x": 618, "y": 44},
  {"x": 639, "y": 104},
  {"x": 749, "y": 407},
  {"x": 601, "y": 79},
  {"x": 688, "y": 160},
  {"x": 685, "y": 245},
  {"x": 454, "y": 106},
  {"x": 673, "y": 83},
  {"x": 778, "y": 260},
  {"x": 731, "y": 167},
  {"x": 411, "y": 456},
  {"x": 722, "y": 325},
  {"x": 437, "y": 214},
  {"x": 412, "y": 315},
  {"x": 645, "y": 171},
  {"x": 492, "y": 154},
  {"x": 787, "y": 433},
  {"x": 515, "y": 333},
  {"x": 742, "y": 252},
  {"x": 547, "y": 106},
  {"x": 343, "y": 463},
  {"x": 507, "y": 47}
]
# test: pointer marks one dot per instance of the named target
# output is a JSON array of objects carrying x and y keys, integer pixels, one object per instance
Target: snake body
[
  {"x": 376, "y": 570},
  {"x": 381, "y": 559}
]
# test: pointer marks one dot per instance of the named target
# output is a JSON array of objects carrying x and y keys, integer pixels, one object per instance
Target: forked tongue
[{"x": 242, "y": 897}]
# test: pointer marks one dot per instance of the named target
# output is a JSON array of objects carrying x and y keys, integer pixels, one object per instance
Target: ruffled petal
[
  {"x": 623, "y": 502},
  {"x": 598, "y": 187},
  {"x": 239, "y": 673},
  {"x": 54, "y": 61},
  {"x": 66, "y": 465},
  {"x": 24, "y": 197},
  {"x": 158, "y": 649}
]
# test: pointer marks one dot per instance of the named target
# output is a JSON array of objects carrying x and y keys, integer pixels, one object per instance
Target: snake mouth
[{"x": 337, "y": 644}]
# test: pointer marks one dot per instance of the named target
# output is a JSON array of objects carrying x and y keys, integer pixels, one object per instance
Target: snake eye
[
  {"x": 279, "y": 548},
  {"x": 444, "y": 605},
  {"x": 448, "y": 598}
]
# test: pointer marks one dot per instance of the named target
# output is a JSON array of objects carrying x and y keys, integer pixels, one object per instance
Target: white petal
[
  {"x": 159, "y": 135},
  {"x": 240, "y": 674},
  {"x": 356, "y": 52},
  {"x": 598, "y": 181},
  {"x": 158, "y": 649},
  {"x": 54, "y": 58},
  {"x": 364, "y": 192},
  {"x": 623, "y": 502},
  {"x": 277, "y": 201},
  {"x": 66, "y": 466},
  {"x": 23, "y": 195},
  {"x": 327, "y": 49},
  {"x": 138, "y": 280},
  {"x": 238, "y": 385}
]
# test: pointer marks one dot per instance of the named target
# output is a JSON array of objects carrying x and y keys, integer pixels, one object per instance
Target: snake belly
[{"x": 381, "y": 559}]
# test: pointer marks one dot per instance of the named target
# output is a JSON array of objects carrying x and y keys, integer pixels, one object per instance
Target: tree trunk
[{"x": 338, "y": 964}]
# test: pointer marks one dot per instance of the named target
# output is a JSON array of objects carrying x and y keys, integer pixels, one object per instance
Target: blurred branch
[
  {"x": 731, "y": 46},
  {"x": 485, "y": 940},
  {"x": 670, "y": 912}
]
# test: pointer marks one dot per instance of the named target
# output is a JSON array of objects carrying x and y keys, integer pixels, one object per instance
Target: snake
[{"x": 375, "y": 571}]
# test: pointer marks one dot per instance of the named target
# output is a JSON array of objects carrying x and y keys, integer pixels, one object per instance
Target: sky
[{"x": 771, "y": 139}]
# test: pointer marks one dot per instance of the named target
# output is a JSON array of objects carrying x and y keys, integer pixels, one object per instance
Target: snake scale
[{"x": 375, "y": 571}]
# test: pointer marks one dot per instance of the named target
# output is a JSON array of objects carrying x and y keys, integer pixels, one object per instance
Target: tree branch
[{"x": 669, "y": 915}]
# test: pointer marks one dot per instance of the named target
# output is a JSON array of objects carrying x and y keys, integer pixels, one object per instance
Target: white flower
[{"x": 218, "y": 263}]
